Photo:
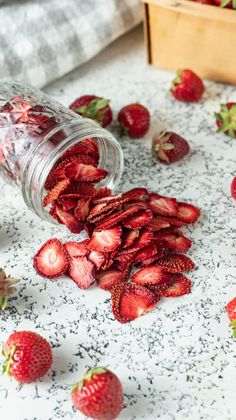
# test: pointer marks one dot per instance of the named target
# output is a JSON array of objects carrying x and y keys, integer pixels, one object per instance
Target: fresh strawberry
[
  {"x": 226, "y": 119},
  {"x": 56, "y": 191},
  {"x": 51, "y": 260},
  {"x": 7, "y": 284},
  {"x": 181, "y": 286},
  {"x": 84, "y": 173},
  {"x": 138, "y": 220},
  {"x": 187, "y": 86},
  {"x": 176, "y": 263},
  {"x": 82, "y": 209},
  {"x": 28, "y": 356},
  {"x": 66, "y": 218},
  {"x": 98, "y": 395},
  {"x": 97, "y": 258},
  {"x": 130, "y": 300},
  {"x": 106, "y": 240},
  {"x": 163, "y": 206},
  {"x": 169, "y": 147},
  {"x": 134, "y": 120},
  {"x": 211, "y": 2},
  {"x": 77, "y": 249},
  {"x": 81, "y": 270},
  {"x": 233, "y": 188},
  {"x": 95, "y": 107},
  {"x": 231, "y": 311},
  {"x": 107, "y": 279},
  {"x": 153, "y": 274},
  {"x": 188, "y": 213}
]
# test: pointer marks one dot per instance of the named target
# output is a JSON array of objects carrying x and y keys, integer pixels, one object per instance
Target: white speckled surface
[{"x": 184, "y": 336}]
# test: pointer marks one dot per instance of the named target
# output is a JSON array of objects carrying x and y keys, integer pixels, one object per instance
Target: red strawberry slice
[
  {"x": 163, "y": 206},
  {"x": 88, "y": 147},
  {"x": 66, "y": 218},
  {"x": 97, "y": 258},
  {"x": 175, "y": 263},
  {"x": 124, "y": 261},
  {"x": 118, "y": 217},
  {"x": 81, "y": 188},
  {"x": 106, "y": 240},
  {"x": 231, "y": 309},
  {"x": 102, "y": 192},
  {"x": 77, "y": 249},
  {"x": 81, "y": 270},
  {"x": 108, "y": 261},
  {"x": 174, "y": 240},
  {"x": 144, "y": 239},
  {"x": 136, "y": 194},
  {"x": 129, "y": 301},
  {"x": 107, "y": 279},
  {"x": 188, "y": 213},
  {"x": 138, "y": 220},
  {"x": 163, "y": 222},
  {"x": 68, "y": 201},
  {"x": 143, "y": 253},
  {"x": 82, "y": 209},
  {"x": 106, "y": 199},
  {"x": 57, "y": 173},
  {"x": 95, "y": 210},
  {"x": 88, "y": 229},
  {"x": 181, "y": 286},
  {"x": 84, "y": 173},
  {"x": 55, "y": 192},
  {"x": 51, "y": 260},
  {"x": 153, "y": 259},
  {"x": 129, "y": 238},
  {"x": 153, "y": 274},
  {"x": 104, "y": 211}
]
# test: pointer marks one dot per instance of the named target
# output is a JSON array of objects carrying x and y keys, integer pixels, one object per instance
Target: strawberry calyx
[
  {"x": 6, "y": 288},
  {"x": 226, "y": 119},
  {"x": 8, "y": 352},
  {"x": 225, "y": 3},
  {"x": 177, "y": 80},
  {"x": 88, "y": 377},
  {"x": 233, "y": 325},
  {"x": 160, "y": 145},
  {"x": 94, "y": 107}
]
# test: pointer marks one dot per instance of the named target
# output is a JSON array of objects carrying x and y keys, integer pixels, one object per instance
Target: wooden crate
[{"x": 186, "y": 34}]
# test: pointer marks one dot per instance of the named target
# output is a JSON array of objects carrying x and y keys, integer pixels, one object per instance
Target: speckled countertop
[{"x": 177, "y": 362}]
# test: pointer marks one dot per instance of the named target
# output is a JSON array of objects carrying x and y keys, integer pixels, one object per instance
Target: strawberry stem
[{"x": 8, "y": 353}]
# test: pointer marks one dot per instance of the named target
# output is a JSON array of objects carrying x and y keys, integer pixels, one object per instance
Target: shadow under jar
[{"x": 36, "y": 132}]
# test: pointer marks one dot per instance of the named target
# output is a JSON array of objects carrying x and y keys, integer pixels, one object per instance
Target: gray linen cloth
[{"x": 41, "y": 40}]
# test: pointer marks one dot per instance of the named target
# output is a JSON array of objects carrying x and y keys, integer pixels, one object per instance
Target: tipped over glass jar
[{"x": 42, "y": 143}]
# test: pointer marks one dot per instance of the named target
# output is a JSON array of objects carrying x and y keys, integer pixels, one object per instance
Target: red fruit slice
[
  {"x": 77, "y": 249},
  {"x": 131, "y": 301},
  {"x": 66, "y": 218},
  {"x": 153, "y": 274},
  {"x": 102, "y": 192},
  {"x": 81, "y": 270},
  {"x": 57, "y": 173},
  {"x": 109, "y": 260},
  {"x": 147, "y": 251},
  {"x": 188, "y": 213},
  {"x": 164, "y": 206},
  {"x": 56, "y": 191},
  {"x": 84, "y": 173},
  {"x": 118, "y": 217},
  {"x": 174, "y": 240},
  {"x": 68, "y": 201},
  {"x": 88, "y": 229},
  {"x": 106, "y": 240},
  {"x": 51, "y": 260},
  {"x": 97, "y": 258},
  {"x": 138, "y": 220},
  {"x": 163, "y": 222},
  {"x": 107, "y": 279},
  {"x": 181, "y": 286},
  {"x": 95, "y": 211},
  {"x": 88, "y": 146},
  {"x": 81, "y": 188},
  {"x": 106, "y": 199},
  {"x": 152, "y": 259},
  {"x": 129, "y": 238},
  {"x": 136, "y": 194},
  {"x": 124, "y": 261},
  {"x": 104, "y": 211},
  {"x": 176, "y": 263},
  {"x": 144, "y": 239},
  {"x": 82, "y": 209}
]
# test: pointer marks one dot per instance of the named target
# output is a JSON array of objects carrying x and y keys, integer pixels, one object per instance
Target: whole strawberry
[
  {"x": 226, "y": 119},
  {"x": 28, "y": 356},
  {"x": 233, "y": 188},
  {"x": 91, "y": 106},
  {"x": 169, "y": 147},
  {"x": 187, "y": 86},
  {"x": 98, "y": 395},
  {"x": 134, "y": 120},
  {"x": 231, "y": 311}
]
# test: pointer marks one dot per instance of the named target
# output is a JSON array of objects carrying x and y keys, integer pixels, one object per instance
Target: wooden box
[{"x": 187, "y": 34}]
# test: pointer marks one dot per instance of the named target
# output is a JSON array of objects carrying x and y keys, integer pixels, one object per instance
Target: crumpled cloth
[{"x": 41, "y": 40}]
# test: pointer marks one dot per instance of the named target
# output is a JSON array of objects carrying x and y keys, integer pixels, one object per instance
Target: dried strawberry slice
[
  {"x": 129, "y": 238},
  {"x": 188, "y": 213},
  {"x": 53, "y": 194},
  {"x": 81, "y": 270},
  {"x": 163, "y": 222},
  {"x": 136, "y": 194},
  {"x": 82, "y": 209},
  {"x": 148, "y": 252},
  {"x": 138, "y": 220},
  {"x": 181, "y": 286},
  {"x": 175, "y": 263},
  {"x": 118, "y": 217},
  {"x": 164, "y": 206},
  {"x": 57, "y": 173},
  {"x": 124, "y": 261},
  {"x": 153, "y": 274},
  {"x": 66, "y": 218},
  {"x": 77, "y": 249},
  {"x": 68, "y": 201},
  {"x": 107, "y": 279},
  {"x": 97, "y": 258},
  {"x": 81, "y": 188},
  {"x": 154, "y": 258},
  {"x": 129, "y": 301},
  {"x": 108, "y": 261},
  {"x": 106, "y": 240},
  {"x": 102, "y": 211},
  {"x": 174, "y": 241},
  {"x": 87, "y": 146},
  {"x": 88, "y": 229},
  {"x": 84, "y": 173},
  {"x": 144, "y": 239},
  {"x": 108, "y": 199},
  {"x": 51, "y": 260},
  {"x": 102, "y": 192}
]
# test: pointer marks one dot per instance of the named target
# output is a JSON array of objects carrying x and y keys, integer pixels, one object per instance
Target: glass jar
[{"x": 35, "y": 132}]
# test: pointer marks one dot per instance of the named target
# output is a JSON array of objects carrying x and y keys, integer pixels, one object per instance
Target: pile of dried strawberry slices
[{"x": 135, "y": 248}]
